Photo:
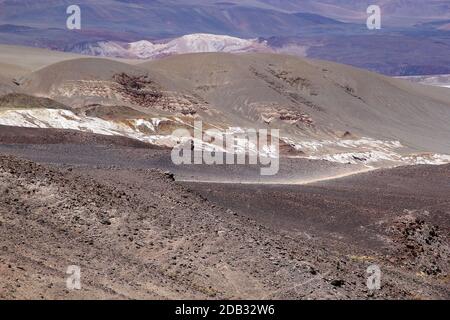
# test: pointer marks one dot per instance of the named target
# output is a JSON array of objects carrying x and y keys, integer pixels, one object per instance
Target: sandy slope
[
  {"x": 324, "y": 110},
  {"x": 6, "y": 85},
  {"x": 305, "y": 98},
  {"x": 22, "y": 60},
  {"x": 42, "y": 80},
  {"x": 338, "y": 98},
  {"x": 17, "y": 61}
]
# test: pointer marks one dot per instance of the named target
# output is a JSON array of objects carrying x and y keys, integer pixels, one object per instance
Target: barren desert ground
[
  {"x": 86, "y": 179},
  {"x": 137, "y": 233}
]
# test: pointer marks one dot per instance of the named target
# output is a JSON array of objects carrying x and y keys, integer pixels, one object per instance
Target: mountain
[
  {"x": 312, "y": 98},
  {"x": 394, "y": 12},
  {"x": 442, "y": 80},
  {"x": 6, "y": 86},
  {"x": 160, "y": 19},
  {"x": 87, "y": 177},
  {"x": 387, "y": 55},
  {"x": 402, "y": 53},
  {"x": 414, "y": 38},
  {"x": 324, "y": 110},
  {"x": 239, "y": 18},
  {"x": 187, "y": 44}
]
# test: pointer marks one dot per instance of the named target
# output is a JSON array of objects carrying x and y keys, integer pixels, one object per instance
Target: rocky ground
[{"x": 136, "y": 233}]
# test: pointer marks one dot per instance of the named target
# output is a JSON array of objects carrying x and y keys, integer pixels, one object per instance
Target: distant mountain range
[
  {"x": 186, "y": 44},
  {"x": 397, "y": 55},
  {"x": 414, "y": 39},
  {"x": 442, "y": 80},
  {"x": 245, "y": 18},
  {"x": 163, "y": 19}
]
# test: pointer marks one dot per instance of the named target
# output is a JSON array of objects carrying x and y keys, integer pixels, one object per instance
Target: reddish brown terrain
[{"x": 137, "y": 233}]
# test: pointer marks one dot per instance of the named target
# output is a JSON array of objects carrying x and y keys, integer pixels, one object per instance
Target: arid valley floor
[{"x": 137, "y": 233}]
